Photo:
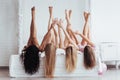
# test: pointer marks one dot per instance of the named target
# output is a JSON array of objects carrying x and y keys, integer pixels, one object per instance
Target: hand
[
  {"x": 54, "y": 21},
  {"x": 60, "y": 23}
]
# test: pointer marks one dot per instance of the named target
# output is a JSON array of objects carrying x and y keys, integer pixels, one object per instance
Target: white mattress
[{"x": 16, "y": 68}]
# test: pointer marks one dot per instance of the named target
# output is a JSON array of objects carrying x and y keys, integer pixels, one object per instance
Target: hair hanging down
[
  {"x": 71, "y": 58},
  {"x": 50, "y": 58},
  {"x": 30, "y": 59},
  {"x": 89, "y": 58}
]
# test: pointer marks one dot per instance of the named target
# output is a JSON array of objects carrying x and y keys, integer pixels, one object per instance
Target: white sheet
[{"x": 16, "y": 68}]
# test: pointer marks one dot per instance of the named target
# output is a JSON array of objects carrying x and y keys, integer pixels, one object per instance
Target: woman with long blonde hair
[
  {"x": 49, "y": 45},
  {"x": 70, "y": 48},
  {"x": 86, "y": 45},
  {"x": 71, "y": 51}
]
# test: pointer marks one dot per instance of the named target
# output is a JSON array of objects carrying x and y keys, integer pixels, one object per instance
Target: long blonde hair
[
  {"x": 50, "y": 58},
  {"x": 89, "y": 57},
  {"x": 71, "y": 58}
]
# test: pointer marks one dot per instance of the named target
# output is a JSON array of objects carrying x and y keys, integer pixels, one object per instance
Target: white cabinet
[{"x": 109, "y": 51}]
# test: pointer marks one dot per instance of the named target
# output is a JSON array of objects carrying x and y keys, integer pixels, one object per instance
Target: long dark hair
[
  {"x": 30, "y": 59},
  {"x": 89, "y": 57}
]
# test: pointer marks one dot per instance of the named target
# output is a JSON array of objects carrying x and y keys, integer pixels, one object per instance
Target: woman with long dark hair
[{"x": 30, "y": 53}]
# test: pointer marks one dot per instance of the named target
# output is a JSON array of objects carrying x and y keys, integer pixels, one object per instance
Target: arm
[
  {"x": 61, "y": 44},
  {"x": 56, "y": 37},
  {"x": 47, "y": 39},
  {"x": 86, "y": 39},
  {"x": 66, "y": 34},
  {"x": 72, "y": 34}
]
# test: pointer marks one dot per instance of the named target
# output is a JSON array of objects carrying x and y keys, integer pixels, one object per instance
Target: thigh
[{"x": 33, "y": 41}]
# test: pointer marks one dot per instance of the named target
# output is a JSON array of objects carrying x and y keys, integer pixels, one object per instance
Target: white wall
[
  {"x": 8, "y": 30},
  {"x": 105, "y": 16},
  {"x": 16, "y": 16},
  {"x": 42, "y": 15}
]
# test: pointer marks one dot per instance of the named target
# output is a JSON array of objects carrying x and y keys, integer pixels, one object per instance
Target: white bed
[{"x": 16, "y": 68}]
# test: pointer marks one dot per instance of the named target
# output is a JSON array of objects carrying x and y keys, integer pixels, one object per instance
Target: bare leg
[
  {"x": 33, "y": 39},
  {"x": 85, "y": 38},
  {"x": 69, "y": 28},
  {"x": 55, "y": 36},
  {"x": 88, "y": 35},
  {"x": 53, "y": 32},
  {"x": 50, "y": 17},
  {"x": 86, "y": 28},
  {"x": 67, "y": 17},
  {"x": 48, "y": 38},
  {"x": 61, "y": 44},
  {"x": 70, "y": 12},
  {"x": 60, "y": 24}
]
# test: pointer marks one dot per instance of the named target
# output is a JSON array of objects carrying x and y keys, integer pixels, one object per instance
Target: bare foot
[
  {"x": 86, "y": 16},
  {"x": 50, "y": 11},
  {"x": 54, "y": 22},
  {"x": 33, "y": 12},
  {"x": 66, "y": 15}
]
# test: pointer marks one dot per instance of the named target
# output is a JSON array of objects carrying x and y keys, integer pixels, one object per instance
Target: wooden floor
[{"x": 111, "y": 74}]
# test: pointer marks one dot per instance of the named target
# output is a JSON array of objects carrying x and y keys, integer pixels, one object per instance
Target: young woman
[
  {"x": 88, "y": 48},
  {"x": 30, "y": 53},
  {"x": 69, "y": 26},
  {"x": 85, "y": 46},
  {"x": 49, "y": 45},
  {"x": 70, "y": 48}
]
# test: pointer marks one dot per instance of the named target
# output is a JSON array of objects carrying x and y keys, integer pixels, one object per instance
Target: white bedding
[{"x": 16, "y": 68}]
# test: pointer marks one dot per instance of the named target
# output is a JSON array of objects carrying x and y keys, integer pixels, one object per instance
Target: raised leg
[
  {"x": 61, "y": 43},
  {"x": 86, "y": 28},
  {"x": 47, "y": 39},
  {"x": 70, "y": 12},
  {"x": 69, "y": 28},
  {"x": 33, "y": 33},
  {"x": 60, "y": 24},
  {"x": 50, "y": 37},
  {"x": 50, "y": 17}
]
